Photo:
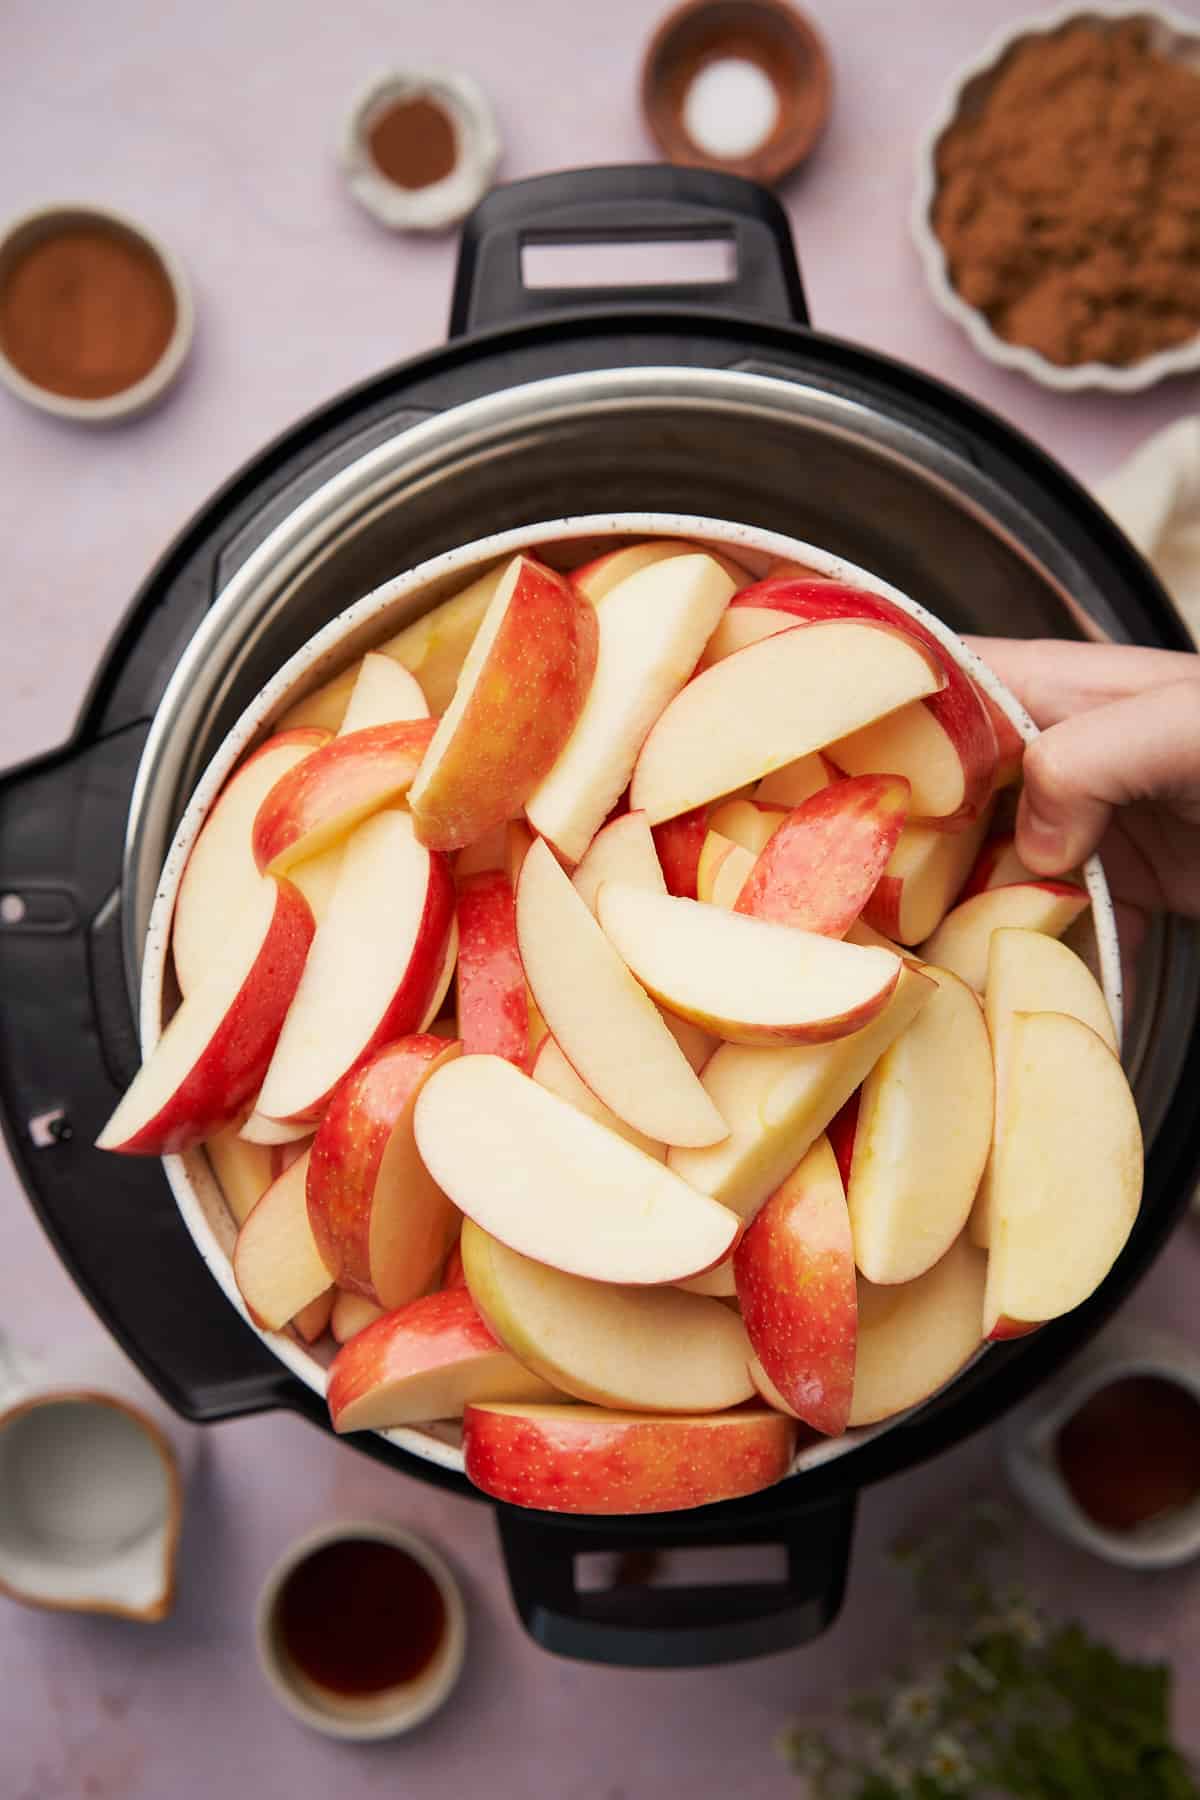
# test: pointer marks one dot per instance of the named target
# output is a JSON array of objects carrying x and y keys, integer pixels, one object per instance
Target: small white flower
[
  {"x": 948, "y": 1761},
  {"x": 912, "y": 1706}
]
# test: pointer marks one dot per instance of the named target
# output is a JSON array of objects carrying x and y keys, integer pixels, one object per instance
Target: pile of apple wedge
[{"x": 551, "y": 1019}]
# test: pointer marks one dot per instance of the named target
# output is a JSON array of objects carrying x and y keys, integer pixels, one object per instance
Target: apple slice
[
  {"x": 220, "y": 878},
  {"x": 773, "y": 702},
  {"x": 718, "y": 1283},
  {"x": 961, "y": 941},
  {"x": 552, "y": 1071},
  {"x": 777, "y": 1102},
  {"x": 945, "y": 744},
  {"x": 622, "y": 851},
  {"x": 794, "y": 1270},
  {"x": 744, "y": 979},
  {"x": 997, "y": 865},
  {"x": 600, "y": 576},
  {"x": 1068, "y": 1175},
  {"x": 1010, "y": 745},
  {"x": 258, "y": 1129},
  {"x": 243, "y": 1171},
  {"x": 316, "y": 878},
  {"x": 373, "y": 969},
  {"x": 608, "y": 1028},
  {"x": 427, "y": 1361},
  {"x": 766, "y": 1390},
  {"x": 487, "y": 852},
  {"x": 697, "y": 1045},
  {"x": 351, "y": 1314},
  {"x": 520, "y": 694},
  {"x": 922, "y": 1138},
  {"x": 276, "y": 1262},
  {"x": 312, "y": 1321},
  {"x": 717, "y": 851},
  {"x": 821, "y": 866},
  {"x": 381, "y": 1223},
  {"x": 322, "y": 799},
  {"x": 746, "y": 823},
  {"x": 553, "y": 1184},
  {"x": 452, "y": 1273},
  {"x": 651, "y": 631},
  {"x": 924, "y": 873},
  {"x": 679, "y": 843},
  {"x": 384, "y": 693},
  {"x": 914, "y": 1338},
  {"x": 437, "y": 999},
  {"x": 493, "y": 1014},
  {"x": 796, "y": 782},
  {"x": 586, "y": 1460},
  {"x": 213, "y": 1054},
  {"x": 1030, "y": 972},
  {"x": 643, "y": 1349}
]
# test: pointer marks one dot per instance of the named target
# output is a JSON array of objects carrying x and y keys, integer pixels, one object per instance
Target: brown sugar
[
  {"x": 413, "y": 143},
  {"x": 85, "y": 312},
  {"x": 1069, "y": 201}
]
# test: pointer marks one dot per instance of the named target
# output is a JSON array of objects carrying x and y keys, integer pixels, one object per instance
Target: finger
[
  {"x": 1053, "y": 678},
  {"x": 1147, "y": 746}
]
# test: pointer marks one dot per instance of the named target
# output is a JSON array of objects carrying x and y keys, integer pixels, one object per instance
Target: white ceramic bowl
[
  {"x": 442, "y": 204},
  {"x": 150, "y": 389},
  {"x": 394, "y": 1711},
  {"x": 567, "y": 543},
  {"x": 1172, "y": 35}
]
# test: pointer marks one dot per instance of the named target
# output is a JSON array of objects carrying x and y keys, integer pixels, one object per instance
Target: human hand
[{"x": 1117, "y": 767}]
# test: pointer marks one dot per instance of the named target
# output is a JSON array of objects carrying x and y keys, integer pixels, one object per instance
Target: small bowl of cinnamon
[
  {"x": 1056, "y": 204},
  {"x": 96, "y": 315}
]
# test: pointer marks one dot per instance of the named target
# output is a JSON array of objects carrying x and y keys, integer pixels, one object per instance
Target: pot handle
[
  {"x": 68, "y": 1045},
  {"x": 670, "y": 1627},
  {"x": 647, "y": 204}
]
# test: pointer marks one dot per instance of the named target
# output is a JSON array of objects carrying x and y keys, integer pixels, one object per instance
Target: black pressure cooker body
[{"x": 546, "y": 403}]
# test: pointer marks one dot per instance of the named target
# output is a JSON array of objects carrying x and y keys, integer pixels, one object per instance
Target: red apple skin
[
  {"x": 367, "y": 1107},
  {"x": 1010, "y": 745},
  {"x": 796, "y": 1284},
  {"x": 820, "y": 866},
  {"x": 1006, "y": 1328},
  {"x": 841, "y": 1132},
  {"x": 454, "y": 1275},
  {"x": 229, "y": 1072},
  {"x": 679, "y": 843},
  {"x": 959, "y": 708},
  {"x": 579, "y": 1460},
  {"x": 336, "y": 786},
  {"x": 428, "y": 1333},
  {"x": 521, "y": 712},
  {"x": 982, "y": 876},
  {"x": 493, "y": 1013}
]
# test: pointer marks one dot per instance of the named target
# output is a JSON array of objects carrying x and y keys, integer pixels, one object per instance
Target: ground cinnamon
[
  {"x": 1069, "y": 201},
  {"x": 413, "y": 143}
]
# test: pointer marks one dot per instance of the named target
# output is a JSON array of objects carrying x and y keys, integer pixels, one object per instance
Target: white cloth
[{"x": 1155, "y": 499}]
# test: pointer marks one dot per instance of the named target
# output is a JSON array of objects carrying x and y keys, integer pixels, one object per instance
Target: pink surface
[{"x": 217, "y": 125}]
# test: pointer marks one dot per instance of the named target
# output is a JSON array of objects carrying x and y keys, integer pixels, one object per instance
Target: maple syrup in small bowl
[{"x": 361, "y": 1630}]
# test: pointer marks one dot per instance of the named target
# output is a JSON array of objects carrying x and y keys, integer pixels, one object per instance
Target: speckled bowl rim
[
  {"x": 442, "y": 204},
  {"x": 196, "y": 1191},
  {"x": 1131, "y": 379}
]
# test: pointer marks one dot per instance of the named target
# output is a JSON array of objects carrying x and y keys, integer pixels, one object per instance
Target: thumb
[{"x": 1141, "y": 747}]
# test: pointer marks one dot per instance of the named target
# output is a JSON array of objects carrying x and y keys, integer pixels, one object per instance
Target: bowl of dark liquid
[{"x": 361, "y": 1630}]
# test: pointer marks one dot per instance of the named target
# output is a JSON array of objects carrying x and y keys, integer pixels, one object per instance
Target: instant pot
[{"x": 718, "y": 400}]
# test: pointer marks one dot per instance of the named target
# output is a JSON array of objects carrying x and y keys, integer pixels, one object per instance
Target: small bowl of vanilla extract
[{"x": 361, "y": 1630}]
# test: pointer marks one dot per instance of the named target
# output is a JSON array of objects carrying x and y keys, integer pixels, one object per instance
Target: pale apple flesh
[
  {"x": 923, "y": 875},
  {"x": 651, "y": 630},
  {"x": 312, "y": 1321},
  {"x": 493, "y": 1014},
  {"x": 552, "y": 1071},
  {"x": 373, "y": 969},
  {"x": 1067, "y": 1180},
  {"x": 243, "y": 1171},
  {"x": 749, "y": 981},
  {"x": 320, "y": 801},
  {"x": 586, "y": 1460},
  {"x": 914, "y": 1338},
  {"x": 351, "y": 1314},
  {"x": 715, "y": 852},
  {"x": 1030, "y": 972},
  {"x": 961, "y": 941},
  {"x": 922, "y": 1136},
  {"x": 603, "y": 573},
  {"x": 429, "y": 1360},
  {"x": 621, "y": 851},
  {"x": 258, "y": 1129},
  {"x": 819, "y": 868},
  {"x": 384, "y": 693},
  {"x": 548, "y": 1181},
  {"x": 605, "y": 1024},
  {"x": 794, "y": 1269},
  {"x": 747, "y": 823},
  {"x": 997, "y": 865},
  {"x": 520, "y": 693},
  {"x": 777, "y": 1102},
  {"x": 642, "y": 1349},
  {"x": 773, "y": 702},
  {"x": 277, "y": 1264},
  {"x": 380, "y": 1221},
  {"x": 213, "y": 1054},
  {"x": 796, "y": 782},
  {"x": 220, "y": 877}
]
